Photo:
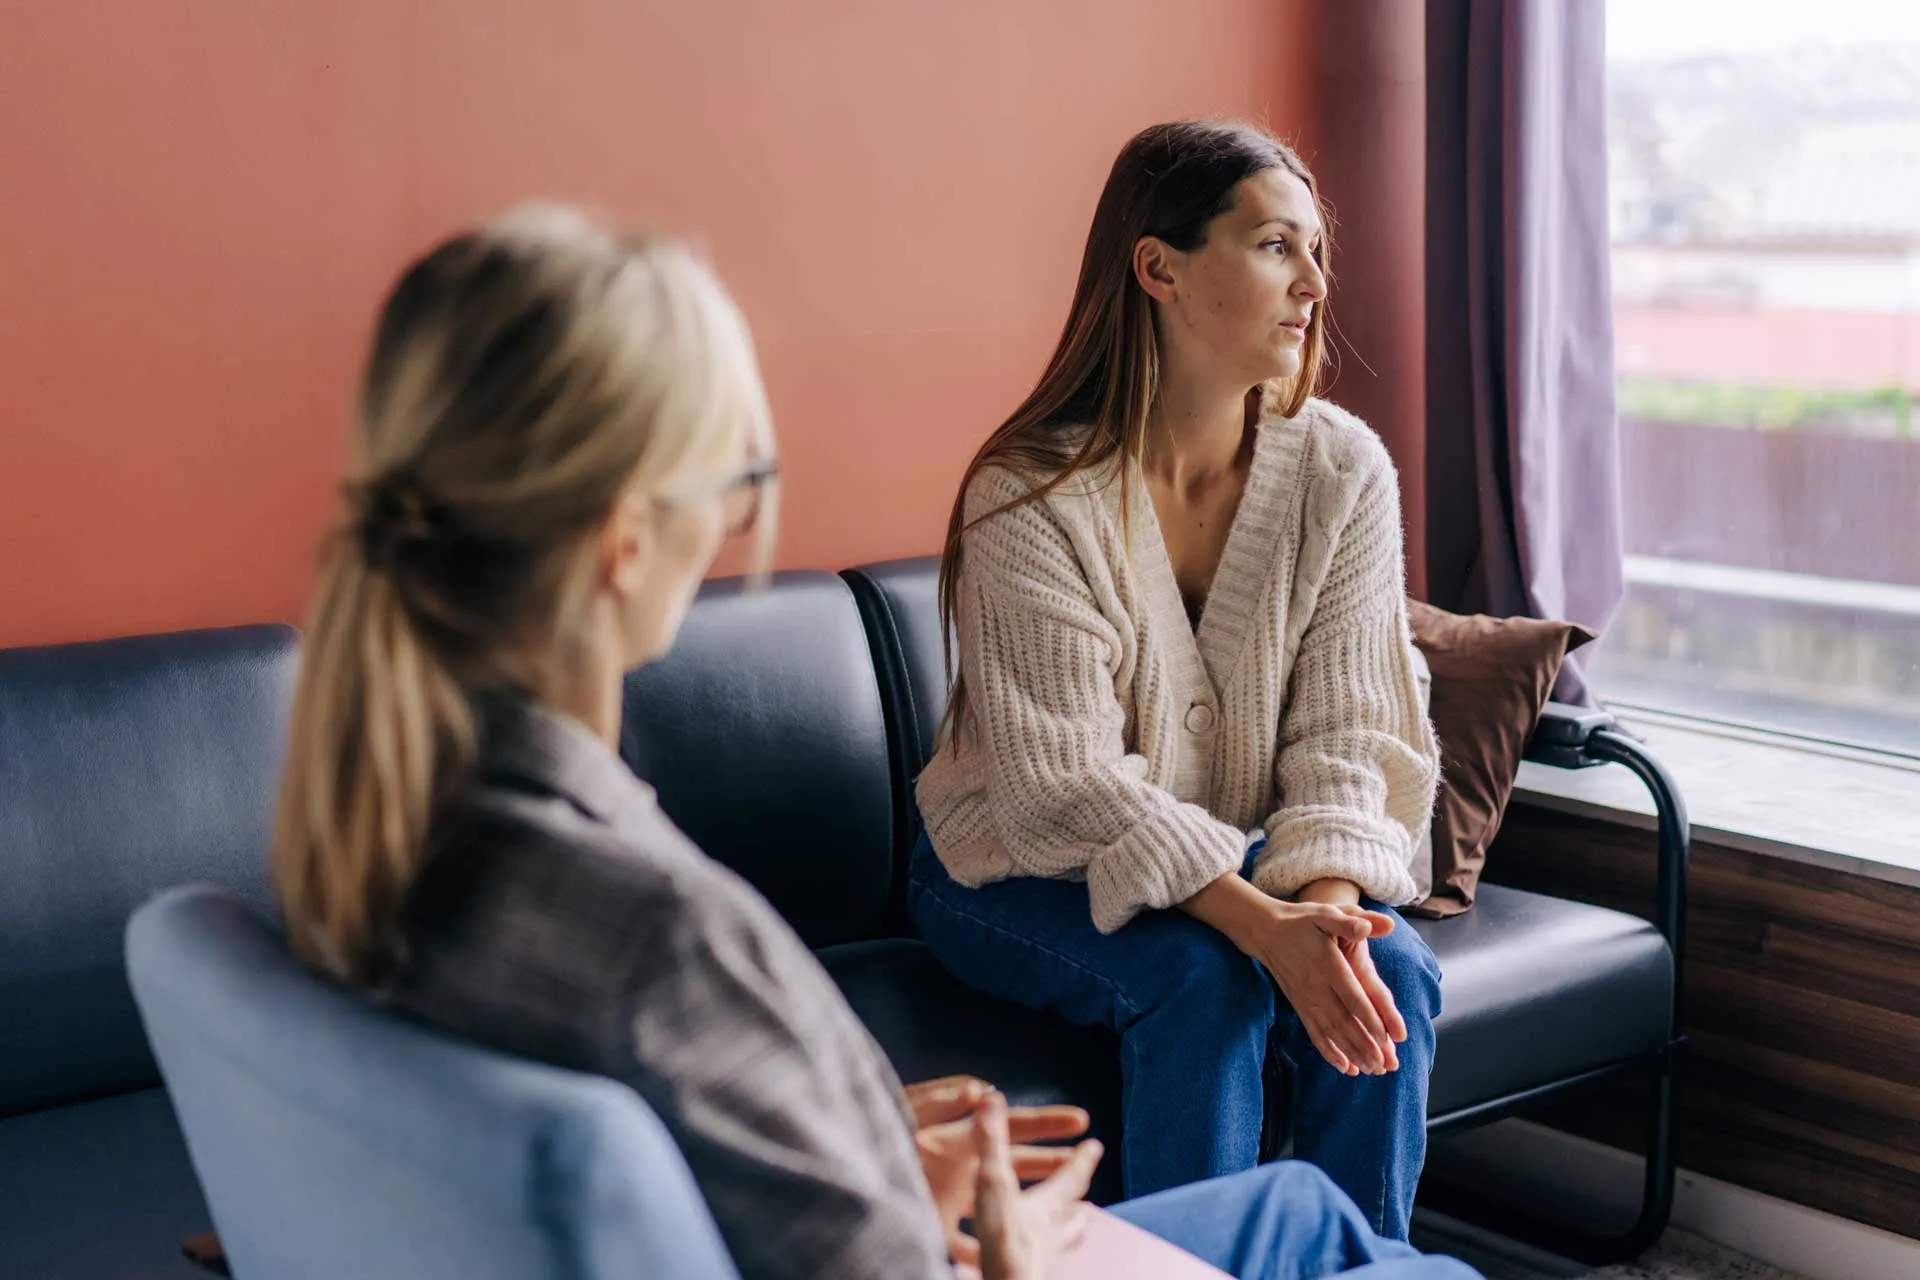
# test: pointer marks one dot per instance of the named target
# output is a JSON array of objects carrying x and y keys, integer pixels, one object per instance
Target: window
[{"x": 1764, "y": 165}]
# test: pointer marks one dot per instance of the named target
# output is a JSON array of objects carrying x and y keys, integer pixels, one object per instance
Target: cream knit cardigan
[{"x": 1110, "y": 740}]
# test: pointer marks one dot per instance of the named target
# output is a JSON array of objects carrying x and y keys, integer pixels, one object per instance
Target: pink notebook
[{"x": 1115, "y": 1249}]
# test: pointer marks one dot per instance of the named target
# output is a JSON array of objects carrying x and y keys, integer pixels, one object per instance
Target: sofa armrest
[
  {"x": 1570, "y": 737},
  {"x": 1561, "y": 734}
]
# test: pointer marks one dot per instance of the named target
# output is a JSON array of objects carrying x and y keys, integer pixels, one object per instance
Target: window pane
[{"x": 1765, "y": 193}]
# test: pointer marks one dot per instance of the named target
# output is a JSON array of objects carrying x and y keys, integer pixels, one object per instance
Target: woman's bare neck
[{"x": 1198, "y": 436}]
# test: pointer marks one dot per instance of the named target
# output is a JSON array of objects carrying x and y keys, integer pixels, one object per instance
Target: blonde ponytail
[{"x": 380, "y": 730}]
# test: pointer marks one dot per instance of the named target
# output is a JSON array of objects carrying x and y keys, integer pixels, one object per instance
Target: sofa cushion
[
  {"x": 1535, "y": 989},
  {"x": 129, "y": 765},
  {"x": 763, "y": 733},
  {"x": 933, "y": 1025},
  {"x": 98, "y": 1191}
]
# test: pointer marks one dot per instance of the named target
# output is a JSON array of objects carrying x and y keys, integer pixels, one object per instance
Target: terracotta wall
[{"x": 200, "y": 204}]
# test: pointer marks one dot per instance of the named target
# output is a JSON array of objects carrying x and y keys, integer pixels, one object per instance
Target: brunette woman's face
[{"x": 1238, "y": 305}]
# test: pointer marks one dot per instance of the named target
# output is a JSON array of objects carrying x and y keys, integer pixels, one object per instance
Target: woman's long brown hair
[{"x": 1169, "y": 182}]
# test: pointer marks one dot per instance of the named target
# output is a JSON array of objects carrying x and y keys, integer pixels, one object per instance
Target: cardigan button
[{"x": 1199, "y": 718}]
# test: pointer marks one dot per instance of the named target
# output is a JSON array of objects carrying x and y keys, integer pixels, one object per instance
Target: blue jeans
[
  {"x": 1284, "y": 1221},
  {"x": 1194, "y": 1015}
]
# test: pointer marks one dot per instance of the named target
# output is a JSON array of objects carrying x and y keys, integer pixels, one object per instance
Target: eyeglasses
[{"x": 744, "y": 496}]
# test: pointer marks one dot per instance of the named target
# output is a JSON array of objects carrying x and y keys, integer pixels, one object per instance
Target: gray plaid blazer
[{"x": 561, "y": 916}]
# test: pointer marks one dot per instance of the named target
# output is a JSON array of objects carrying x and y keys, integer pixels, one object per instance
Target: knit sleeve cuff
[
  {"x": 1160, "y": 864},
  {"x": 1380, "y": 868}
]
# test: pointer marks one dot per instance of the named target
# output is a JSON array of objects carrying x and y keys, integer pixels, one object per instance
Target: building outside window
[{"x": 1765, "y": 193}]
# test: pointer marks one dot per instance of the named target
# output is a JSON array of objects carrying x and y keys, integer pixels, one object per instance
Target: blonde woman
[
  {"x": 1186, "y": 760},
  {"x": 558, "y": 428}
]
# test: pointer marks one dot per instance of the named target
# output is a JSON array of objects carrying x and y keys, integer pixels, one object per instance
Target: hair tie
[{"x": 394, "y": 519}]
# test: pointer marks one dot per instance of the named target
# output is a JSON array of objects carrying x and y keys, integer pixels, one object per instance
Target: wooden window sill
[{"x": 1835, "y": 807}]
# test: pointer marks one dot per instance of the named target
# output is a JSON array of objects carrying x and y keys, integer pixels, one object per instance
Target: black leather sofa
[
  {"x": 1542, "y": 995},
  {"x": 783, "y": 733},
  {"x": 126, "y": 766}
]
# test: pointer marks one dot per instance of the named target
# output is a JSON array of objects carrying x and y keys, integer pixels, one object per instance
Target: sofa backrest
[
  {"x": 764, "y": 735},
  {"x": 899, "y": 605},
  {"x": 335, "y": 1140},
  {"x": 126, "y": 766}
]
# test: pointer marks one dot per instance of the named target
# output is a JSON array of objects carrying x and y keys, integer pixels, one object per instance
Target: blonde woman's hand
[
  {"x": 947, "y": 1098},
  {"x": 1022, "y": 1234},
  {"x": 945, "y": 1113}
]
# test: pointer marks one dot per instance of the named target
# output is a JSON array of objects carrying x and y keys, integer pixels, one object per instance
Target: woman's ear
[
  {"x": 1153, "y": 267},
  {"x": 626, "y": 544}
]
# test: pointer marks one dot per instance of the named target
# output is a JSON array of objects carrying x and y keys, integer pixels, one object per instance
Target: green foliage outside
[{"x": 1881, "y": 411}]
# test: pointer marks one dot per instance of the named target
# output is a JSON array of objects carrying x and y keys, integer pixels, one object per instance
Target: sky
[{"x": 1678, "y": 28}]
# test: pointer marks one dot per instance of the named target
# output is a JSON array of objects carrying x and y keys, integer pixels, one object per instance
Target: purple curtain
[{"x": 1523, "y": 470}]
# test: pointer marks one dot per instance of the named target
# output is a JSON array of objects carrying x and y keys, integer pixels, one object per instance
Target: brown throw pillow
[{"x": 1491, "y": 677}]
